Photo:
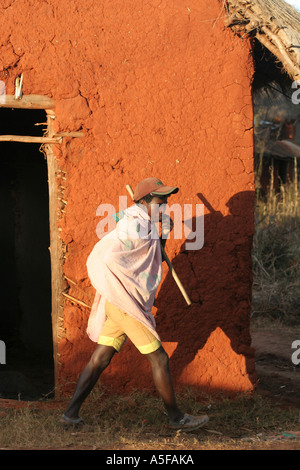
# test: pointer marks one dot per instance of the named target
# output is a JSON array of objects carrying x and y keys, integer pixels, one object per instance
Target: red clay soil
[{"x": 158, "y": 89}]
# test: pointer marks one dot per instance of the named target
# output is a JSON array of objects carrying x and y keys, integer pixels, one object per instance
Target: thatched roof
[{"x": 274, "y": 23}]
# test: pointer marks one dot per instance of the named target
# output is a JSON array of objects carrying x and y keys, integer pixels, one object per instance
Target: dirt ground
[
  {"x": 279, "y": 378},
  {"x": 279, "y": 381}
]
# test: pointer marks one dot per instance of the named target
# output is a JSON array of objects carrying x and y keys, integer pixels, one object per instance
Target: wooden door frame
[{"x": 56, "y": 245}]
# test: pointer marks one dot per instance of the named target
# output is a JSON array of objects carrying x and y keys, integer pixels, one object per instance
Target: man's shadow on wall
[{"x": 218, "y": 280}]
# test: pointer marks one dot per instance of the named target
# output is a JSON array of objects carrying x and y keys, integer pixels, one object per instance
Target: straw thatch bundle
[{"x": 274, "y": 23}]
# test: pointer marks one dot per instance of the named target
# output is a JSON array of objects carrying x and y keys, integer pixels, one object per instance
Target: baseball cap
[{"x": 154, "y": 186}]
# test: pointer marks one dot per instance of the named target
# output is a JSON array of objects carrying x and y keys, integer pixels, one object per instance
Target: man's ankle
[
  {"x": 71, "y": 415},
  {"x": 175, "y": 416}
]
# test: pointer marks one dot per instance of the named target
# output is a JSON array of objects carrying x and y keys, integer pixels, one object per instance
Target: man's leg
[
  {"x": 100, "y": 359},
  {"x": 162, "y": 378}
]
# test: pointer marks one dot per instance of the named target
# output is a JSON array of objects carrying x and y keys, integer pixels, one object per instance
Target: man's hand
[{"x": 167, "y": 225}]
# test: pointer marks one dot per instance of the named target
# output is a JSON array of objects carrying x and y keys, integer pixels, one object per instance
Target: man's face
[{"x": 155, "y": 208}]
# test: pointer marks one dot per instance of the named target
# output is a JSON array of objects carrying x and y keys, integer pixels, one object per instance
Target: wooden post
[{"x": 56, "y": 246}]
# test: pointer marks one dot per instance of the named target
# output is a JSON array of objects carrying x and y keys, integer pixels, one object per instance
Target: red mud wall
[{"x": 159, "y": 89}]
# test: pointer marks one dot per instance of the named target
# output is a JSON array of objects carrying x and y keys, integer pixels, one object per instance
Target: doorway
[{"x": 25, "y": 308}]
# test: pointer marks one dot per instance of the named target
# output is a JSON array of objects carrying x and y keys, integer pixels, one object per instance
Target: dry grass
[
  {"x": 276, "y": 255},
  {"x": 138, "y": 422}
]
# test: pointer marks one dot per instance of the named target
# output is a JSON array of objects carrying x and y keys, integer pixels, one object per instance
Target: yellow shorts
[{"x": 118, "y": 326}]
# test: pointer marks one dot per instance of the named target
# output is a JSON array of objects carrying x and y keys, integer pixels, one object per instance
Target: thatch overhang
[{"x": 274, "y": 23}]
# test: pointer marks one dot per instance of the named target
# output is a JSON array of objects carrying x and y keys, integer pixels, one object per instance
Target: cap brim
[{"x": 165, "y": 190}]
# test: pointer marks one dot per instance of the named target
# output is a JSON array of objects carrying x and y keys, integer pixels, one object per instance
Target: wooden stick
[
  {"x": 76, "y": 301},
  {"x": 30, "y": 139},
  {"x": 27, "y": 102},
  {"x": 165, "y": 256}
]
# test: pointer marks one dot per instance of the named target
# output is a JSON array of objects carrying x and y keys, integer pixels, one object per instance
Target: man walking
[{"x": 125, "y": 268}]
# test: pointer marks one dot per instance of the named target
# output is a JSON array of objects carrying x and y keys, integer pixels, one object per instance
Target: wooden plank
[
  {"x": 27, "y": 102},
  {"x": 30, "y": 139}
]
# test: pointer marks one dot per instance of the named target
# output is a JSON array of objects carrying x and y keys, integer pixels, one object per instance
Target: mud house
[{"x": 101, "y": 94}]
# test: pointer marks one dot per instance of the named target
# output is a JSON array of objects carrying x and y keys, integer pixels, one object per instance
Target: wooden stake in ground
[{"x": 165, "y": 256}]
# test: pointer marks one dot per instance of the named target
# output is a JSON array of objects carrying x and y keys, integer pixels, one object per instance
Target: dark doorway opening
[{"x": 25, "y": 307}]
